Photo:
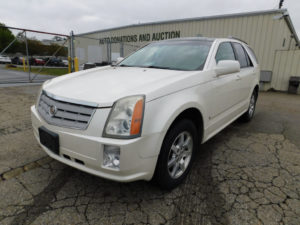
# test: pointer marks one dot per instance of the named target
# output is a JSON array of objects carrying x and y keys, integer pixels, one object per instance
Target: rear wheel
[
  {"x": 176, "y": 154},
  {"x": 247, "y": 116}
]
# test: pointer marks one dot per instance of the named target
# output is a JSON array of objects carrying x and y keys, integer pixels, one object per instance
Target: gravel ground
[
  {"x": 247, "y": 174},
  {"x": 17, "y": 144}
]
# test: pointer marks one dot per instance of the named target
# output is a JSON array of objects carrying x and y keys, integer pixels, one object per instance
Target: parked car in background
[
  {"x": 17, "y": 60},
  {"x": 39, "y": 62},
  {"x": 146, "y": 116},
  {"x": 32, "y": 61},
  {"x": 54, "y": 62},
  {"x": 4, "y": 59},
  {"x": 65, "y": 62}
]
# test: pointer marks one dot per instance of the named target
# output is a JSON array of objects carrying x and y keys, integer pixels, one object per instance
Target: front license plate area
[{"x": 49, "y": 139}]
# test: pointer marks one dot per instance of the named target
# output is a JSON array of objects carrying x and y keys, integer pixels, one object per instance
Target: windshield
[{"x": 174, "y": 55}]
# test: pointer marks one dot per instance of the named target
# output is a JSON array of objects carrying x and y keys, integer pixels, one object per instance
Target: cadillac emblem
[{"x": 52, "y": 110}]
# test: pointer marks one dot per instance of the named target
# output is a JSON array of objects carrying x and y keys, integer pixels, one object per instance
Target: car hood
[{"x": 105, "y": 85}]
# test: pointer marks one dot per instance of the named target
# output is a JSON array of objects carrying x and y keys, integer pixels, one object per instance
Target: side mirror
[{"x": 227, "y": 66}]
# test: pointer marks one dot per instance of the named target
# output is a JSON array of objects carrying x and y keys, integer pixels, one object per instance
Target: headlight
[{"x": 126, "y": 118}]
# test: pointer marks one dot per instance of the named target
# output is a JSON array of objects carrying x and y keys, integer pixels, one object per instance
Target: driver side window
[{"x": 225, "y": 52}]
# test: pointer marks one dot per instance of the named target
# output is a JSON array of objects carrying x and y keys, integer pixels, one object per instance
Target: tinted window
[
  {"x": 174, "y": 55},
  {"x": 240, "y": 54},
  {"x": 225, "y": 52},
  {"x": 249, "y": 62},
  {"x": 253, "y": 54}
]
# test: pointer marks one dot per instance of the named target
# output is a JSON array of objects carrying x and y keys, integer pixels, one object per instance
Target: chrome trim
[
  {"x": 65, "y": 126},
  {"x": 69, "y": 100},
  {"x": 70, "y": 127}
]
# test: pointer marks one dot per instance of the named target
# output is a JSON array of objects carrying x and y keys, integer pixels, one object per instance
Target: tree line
[{"x": 35, "y": 47}]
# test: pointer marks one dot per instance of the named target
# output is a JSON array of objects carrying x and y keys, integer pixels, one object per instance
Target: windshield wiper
[
  {"x": 155, "y": 67},
  {"x": 124, "y": 65},
  {"x": 159, "y": 67}
]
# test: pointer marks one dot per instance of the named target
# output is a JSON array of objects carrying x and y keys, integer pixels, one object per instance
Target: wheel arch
[
  {"x": 193, "y": 114},
  {"x": 256, "y": 89},
  {"x": 161, "y": 114}
]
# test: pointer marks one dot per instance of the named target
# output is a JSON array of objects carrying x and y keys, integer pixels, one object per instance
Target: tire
[
  {"x": 248, "y": 115},
  {"x": 178, "y": 150}
]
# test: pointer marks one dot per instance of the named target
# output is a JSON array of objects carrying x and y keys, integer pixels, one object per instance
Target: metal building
[{"x": 270, "y": 33}]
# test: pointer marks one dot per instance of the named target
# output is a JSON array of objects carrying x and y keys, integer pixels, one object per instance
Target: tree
[
  {"x": 6, "y": 36},
  {"x": 35, "y": 47},
  {"x": 54, "y": 47}
]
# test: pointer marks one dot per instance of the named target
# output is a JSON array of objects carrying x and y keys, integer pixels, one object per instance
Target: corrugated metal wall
[
  {"x": 287, "y": 64},
  {"x": 265, "y": 33}
]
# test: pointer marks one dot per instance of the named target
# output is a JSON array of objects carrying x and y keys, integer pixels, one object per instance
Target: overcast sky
[{"x": 62, "y": 16}]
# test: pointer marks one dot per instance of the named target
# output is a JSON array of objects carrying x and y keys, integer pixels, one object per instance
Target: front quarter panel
[{"x": 161, "y": 113}]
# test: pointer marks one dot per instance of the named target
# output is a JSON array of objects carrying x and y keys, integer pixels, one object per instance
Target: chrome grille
[{"x": 64, "y": 114}]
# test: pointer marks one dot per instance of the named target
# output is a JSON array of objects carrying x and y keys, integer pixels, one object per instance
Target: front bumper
[{"x": 86, "y": 147}]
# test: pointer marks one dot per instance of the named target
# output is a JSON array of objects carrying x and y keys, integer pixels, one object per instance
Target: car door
[
  {"x": 225, "y": 91},
  {"x": 246, "y": 73}
]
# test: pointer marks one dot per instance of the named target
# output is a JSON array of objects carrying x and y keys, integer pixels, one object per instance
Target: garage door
[{"x": 94, "y": 54}]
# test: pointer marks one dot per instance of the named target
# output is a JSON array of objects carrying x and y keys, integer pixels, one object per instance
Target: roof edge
[
  {"x": 253, "y": 13},
  {"x": 289, "y": 22}
]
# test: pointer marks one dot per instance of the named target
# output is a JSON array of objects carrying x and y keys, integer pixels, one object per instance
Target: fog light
[{"x": 111, "y": 157}]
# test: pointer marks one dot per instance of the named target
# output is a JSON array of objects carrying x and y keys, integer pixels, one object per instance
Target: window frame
[
  {"x": 231, "y": 48},
  {"x": 248, "y": 59},
  {"x": 252, "y": 54},
  {"x": 250, "y": 63}
]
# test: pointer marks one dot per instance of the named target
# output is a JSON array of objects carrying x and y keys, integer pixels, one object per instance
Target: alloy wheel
[{"x": 180, "y": 154}]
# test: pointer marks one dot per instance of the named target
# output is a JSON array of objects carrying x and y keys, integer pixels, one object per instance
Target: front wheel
[{"x": 176, "y": 155}]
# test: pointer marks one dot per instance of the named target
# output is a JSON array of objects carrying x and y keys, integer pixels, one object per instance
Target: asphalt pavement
[
  {"x": 247, "y": 174},
  {"x": 15, "y": 78}
]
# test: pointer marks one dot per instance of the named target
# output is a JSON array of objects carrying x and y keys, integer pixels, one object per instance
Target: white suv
[{"x": 145, "y": 117}]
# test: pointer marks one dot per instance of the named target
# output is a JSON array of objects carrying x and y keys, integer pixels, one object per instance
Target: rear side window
[
  {"x": 253, "y": 54},
  {"x": 225, "y": 52},
  {"x": 241, "y": 55}
]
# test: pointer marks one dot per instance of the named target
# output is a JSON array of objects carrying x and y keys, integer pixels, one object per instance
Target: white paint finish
[
  {"x": 107, "y": 84},
  {"x": 219, "y": 99}
]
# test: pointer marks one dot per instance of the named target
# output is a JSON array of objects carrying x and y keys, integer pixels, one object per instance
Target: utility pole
[
  {"x": 27, "y": 58},
  {"x": 280, "y": 3},
  {"x": 72, "y": 53}
]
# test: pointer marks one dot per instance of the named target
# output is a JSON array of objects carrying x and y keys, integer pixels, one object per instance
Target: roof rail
[{"x": 237, "y": 39}]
